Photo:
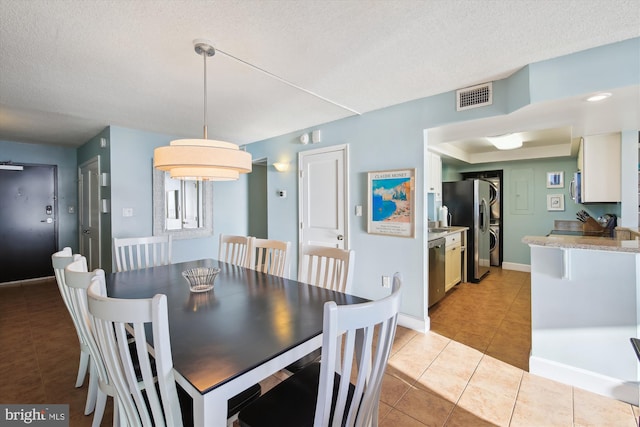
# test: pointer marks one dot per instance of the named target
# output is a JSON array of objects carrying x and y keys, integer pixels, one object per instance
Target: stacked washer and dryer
[{"x": 495, "y": 220}]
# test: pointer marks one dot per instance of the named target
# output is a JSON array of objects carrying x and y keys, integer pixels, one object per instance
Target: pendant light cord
[
  {"x": 204, "y": 57},
  {"x": 293, "y": 85}
]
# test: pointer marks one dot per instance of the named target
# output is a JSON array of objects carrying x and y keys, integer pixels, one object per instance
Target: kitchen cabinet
[
  {"x": 453, "y": 260},
  {"x": 599, "y": 160},
  {"x": 434, "y": 176}
]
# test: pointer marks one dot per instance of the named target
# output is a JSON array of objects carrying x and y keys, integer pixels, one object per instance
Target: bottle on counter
[{"x": 443, "y": 216}]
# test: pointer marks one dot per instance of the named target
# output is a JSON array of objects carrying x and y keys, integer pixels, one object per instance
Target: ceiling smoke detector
[{"x": 474, "y": 96}]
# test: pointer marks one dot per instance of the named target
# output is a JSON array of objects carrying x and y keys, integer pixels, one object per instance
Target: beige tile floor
[
  {"x": 431, "y": 379},
  {"x": 493, "y": 316}
]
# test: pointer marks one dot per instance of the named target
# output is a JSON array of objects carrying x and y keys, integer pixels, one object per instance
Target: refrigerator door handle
[
  {"x": 484, "y": 218},
  {"x": 572, "y": 187}
]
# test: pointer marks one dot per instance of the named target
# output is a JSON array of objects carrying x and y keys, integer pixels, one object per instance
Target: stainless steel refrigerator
[{"x": 468, "y": 203}]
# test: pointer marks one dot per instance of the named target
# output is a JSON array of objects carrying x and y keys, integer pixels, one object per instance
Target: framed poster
[{"x": 392, "y": 202}]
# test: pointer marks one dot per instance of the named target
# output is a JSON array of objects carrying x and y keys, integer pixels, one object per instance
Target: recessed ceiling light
[
  {"x": 506, "y": 142},
  {"x": 598, "y": 97}
]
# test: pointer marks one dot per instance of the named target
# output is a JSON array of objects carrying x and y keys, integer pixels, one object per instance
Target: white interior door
[
  {"x": 323, "y": 198},
  {"x": 89, "y": 193}
]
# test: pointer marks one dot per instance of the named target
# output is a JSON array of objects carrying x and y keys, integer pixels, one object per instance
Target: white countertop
[{"x": 449, "y": 230}]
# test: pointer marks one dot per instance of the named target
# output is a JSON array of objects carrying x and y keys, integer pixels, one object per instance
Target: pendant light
[{"x": 202, "y": 159}]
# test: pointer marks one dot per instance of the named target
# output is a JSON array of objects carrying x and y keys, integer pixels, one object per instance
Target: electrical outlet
[{"x": 386, "y": 281}]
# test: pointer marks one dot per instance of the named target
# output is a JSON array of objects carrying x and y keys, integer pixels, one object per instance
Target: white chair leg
[
  {"x": 101, "y": 403},
  {"x": 93, "y": 389},
  {"x": 117, "y": 422},
  {"x": 82, "y": 368}
]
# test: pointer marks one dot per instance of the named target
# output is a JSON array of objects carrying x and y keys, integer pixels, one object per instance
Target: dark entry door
[{"x": 28, "y": 222}]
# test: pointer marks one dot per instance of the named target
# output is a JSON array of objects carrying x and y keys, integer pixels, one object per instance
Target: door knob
[{"x": 340, "y": 237}]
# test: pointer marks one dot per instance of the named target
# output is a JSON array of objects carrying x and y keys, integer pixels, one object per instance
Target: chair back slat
[
  {"x": 356, "y": 341},
  {"x": 134, "y": 253},
  {"x": 234, "y": 249},
  {"x": 330, "y": 268},
  {"x": 269, "y": 256}
]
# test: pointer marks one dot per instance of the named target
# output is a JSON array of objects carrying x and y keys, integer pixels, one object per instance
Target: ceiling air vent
[{"x": 474, "y": 96}]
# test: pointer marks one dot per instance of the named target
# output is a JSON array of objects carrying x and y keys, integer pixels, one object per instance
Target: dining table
[{"x": 248, "y": 327}]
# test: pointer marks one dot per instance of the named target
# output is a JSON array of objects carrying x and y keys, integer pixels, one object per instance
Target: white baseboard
[
  {"x": 626, "y": 391},
  {"x": 420, "y": 325},
  {"x": 517, "y": 267}
]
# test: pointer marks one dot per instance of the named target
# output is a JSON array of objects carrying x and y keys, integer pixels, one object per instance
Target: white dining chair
[
  {"x": 269, "y": 256},
  {"x": 133, "y": 253},
  {"x": 234, "y": 249},
  {"x": 356, "y": 343},
  {"x": 330, "y": 268},
  {"x": 60, "y": 260},
  {"x": 159, "y": 405},
  {"x": 77, "y": 280}
]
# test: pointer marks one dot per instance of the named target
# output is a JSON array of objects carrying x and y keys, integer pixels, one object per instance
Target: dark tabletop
[{"x": 248, "y": 318}]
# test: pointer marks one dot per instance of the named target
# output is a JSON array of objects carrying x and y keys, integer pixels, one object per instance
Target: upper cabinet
[
  {"x": 434, "y": 176},
  {"x": 599, "y": 160}
]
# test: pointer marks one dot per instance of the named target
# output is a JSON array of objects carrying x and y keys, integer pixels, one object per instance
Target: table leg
[{"x": 209, "y": 410}]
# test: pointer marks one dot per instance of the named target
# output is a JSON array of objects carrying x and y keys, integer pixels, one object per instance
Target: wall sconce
[{"x": 281, "y": 166}]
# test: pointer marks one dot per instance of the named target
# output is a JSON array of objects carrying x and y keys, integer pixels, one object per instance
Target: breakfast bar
[{"x": 585, "y": 308}]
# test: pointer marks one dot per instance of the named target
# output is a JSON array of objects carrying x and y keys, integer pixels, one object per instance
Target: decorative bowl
[{"x": 201, "y": 278}]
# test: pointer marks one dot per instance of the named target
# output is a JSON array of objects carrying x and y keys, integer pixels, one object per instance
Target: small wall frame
[
  {"x": 555, "y": 202},
  {"x": 555, "y": 179}
]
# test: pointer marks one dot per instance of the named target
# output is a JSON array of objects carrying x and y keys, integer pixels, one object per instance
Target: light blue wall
[
  {"x": 602, "y": 68},
  {"x": 131, "y": 187},
  {"x": 65, "y": 160},
  {"x": 393, "y": 138},
  {"x": 128, "y": 157}
]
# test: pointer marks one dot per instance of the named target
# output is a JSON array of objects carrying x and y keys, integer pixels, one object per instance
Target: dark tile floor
[
  {"x": 493, "y": 316},
  {"x": 39, "y": 351}
]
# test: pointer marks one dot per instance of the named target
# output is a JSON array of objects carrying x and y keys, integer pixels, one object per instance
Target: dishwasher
[{"x": 436, "y": 270}]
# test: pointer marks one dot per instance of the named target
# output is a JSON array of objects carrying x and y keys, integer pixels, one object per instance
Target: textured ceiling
[{"x": 70, "y": 68}]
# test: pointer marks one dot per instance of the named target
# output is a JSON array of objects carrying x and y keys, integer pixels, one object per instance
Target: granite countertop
[
  {"x": 584, "y": 242},
  {"x": 449, "y": 230}
]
